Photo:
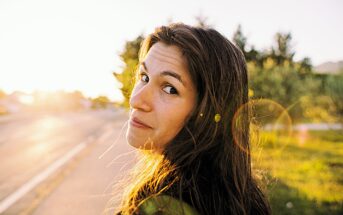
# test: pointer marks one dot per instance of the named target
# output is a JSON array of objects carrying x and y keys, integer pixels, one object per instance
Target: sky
[{"x": 75, "y": 44}]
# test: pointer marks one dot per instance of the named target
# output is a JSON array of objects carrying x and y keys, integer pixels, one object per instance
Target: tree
[
  {"x": 2, "y": 94},
  {"x": 283, "y": 50},
  {"x": 283, "y": 85},
  {"x": 130, "y": 57},
  {"x": 305, "y": 66},
  {"x": 202, "y": 21},
  {"x": 334, "y": 88},
  {"x": 239, "y": 39},
  {"x": 252, "y": 54},
  {"x": 100, "y": 102}
]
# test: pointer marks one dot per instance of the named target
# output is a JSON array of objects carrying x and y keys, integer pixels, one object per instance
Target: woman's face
[{"x": 162, "y": 99}]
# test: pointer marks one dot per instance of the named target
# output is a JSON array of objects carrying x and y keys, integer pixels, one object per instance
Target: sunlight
[
  {"x": 26, "y": 99},
  {"x": 44, "y": 128},
  {"x": 39, "y": 148},
  {"x": 48, "y": 124}
]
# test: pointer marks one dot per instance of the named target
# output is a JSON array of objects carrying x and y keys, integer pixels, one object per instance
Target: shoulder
[{"x": 164, "y": 204}]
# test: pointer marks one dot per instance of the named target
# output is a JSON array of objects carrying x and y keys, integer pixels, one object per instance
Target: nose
[{"x": 141, "y": 98}]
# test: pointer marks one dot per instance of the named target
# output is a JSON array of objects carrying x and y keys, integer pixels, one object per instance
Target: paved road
[{"x": 61, "y": 152}]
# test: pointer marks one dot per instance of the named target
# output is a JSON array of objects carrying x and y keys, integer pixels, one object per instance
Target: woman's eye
[
  {"x": 144, "y": 78},
  {"x": 170, "y": 90}
]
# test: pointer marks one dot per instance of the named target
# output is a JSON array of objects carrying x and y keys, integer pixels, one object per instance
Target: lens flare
[{"x": 270, "y": 124}]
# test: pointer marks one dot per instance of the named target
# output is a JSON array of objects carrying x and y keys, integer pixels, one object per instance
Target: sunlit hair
[{"x": 203, "y": 165}]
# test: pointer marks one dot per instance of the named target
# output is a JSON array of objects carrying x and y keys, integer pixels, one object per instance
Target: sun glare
[{"x": 26, "y": 99}]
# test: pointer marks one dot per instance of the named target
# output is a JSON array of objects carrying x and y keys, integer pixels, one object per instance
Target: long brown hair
[{"x": 205, "y": 165}]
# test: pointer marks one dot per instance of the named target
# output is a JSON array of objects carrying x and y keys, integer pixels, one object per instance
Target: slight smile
[{"x": 139, "y": 124}]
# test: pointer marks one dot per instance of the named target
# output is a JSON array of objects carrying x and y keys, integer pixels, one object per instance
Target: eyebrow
[{"x": 167, "y": 73}]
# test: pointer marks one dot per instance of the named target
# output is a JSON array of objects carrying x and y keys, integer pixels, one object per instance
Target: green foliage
[
  {"x": 100, "y": 102},
  {"x": 317, "y": 108},
  {"x": 239, "y": 39},
  {"x": 283, "y": 50},
  {"x": 130, "y": 57},
  {"x": 273, "y": 74},
  {"x": 304, "y": 171},
  {"x": 305, "y": 66},
  {"x": 282, "y": 84},
  {"x": 334, "y": 88}
]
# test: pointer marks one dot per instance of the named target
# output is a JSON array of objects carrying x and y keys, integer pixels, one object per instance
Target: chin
[
  {"x": 138, "y": 142},
  {"x": 131, "y": 140}
]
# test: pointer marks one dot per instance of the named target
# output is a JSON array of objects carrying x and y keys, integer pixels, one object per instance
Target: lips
[{"x": 138, "y": 123}]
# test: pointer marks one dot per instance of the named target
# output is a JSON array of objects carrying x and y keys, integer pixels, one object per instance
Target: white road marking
[{"x": 28, "y": 186}]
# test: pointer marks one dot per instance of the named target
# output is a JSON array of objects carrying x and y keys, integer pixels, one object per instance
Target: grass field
[{"x": 302, "y": 171}]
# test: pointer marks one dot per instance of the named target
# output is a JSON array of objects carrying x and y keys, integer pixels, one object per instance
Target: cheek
[{"x": 171, "y": 121}]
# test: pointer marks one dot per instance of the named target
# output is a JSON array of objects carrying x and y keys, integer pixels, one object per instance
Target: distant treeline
[{"x": 58, "y": 101}]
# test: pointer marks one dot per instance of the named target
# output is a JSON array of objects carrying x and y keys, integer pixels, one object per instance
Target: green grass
[{"x": 303, "y": 171}]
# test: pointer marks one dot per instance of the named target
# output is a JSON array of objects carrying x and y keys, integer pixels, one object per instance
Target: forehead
[{"x": 166, "y": 56}]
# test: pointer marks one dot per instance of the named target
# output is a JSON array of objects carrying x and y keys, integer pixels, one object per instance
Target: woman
[{"x": 190, "y": 83}]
